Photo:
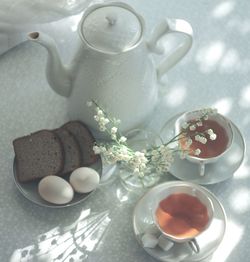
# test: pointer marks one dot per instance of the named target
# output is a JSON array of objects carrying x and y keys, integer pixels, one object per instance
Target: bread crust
[{"x": 85, "y": 140}]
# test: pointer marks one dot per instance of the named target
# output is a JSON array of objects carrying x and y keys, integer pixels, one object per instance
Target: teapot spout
[{"x": 58, "y": 76}]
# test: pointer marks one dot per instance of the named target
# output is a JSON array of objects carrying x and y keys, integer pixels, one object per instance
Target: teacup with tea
[
  {"x": 209, "y": 138},
  {"x": 182, "y": 212}
]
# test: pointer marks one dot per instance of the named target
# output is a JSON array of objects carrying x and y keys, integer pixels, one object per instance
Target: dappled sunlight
[
  {"x": 239, "y": 24},
  {"x": 243, "y": 172},
  {"x": 246, "y": 120},
  {"x": 230, "y": 62},
  {"x": 223, "y": 9},
  {"x": 71, "y": 243},
  {"x": 209, "y": 56},
  {"x": 224, "y": 105},
  {"x": 235, "y": 157},
  {"x": 240, "y": 200},
  {"x": 231, "y": 239},
  {"x": 244, "y": 100},
  {"x": 176, "y": 95},
  {"x": 122, "y": 197},
  {"x": 74, "y": 21}
]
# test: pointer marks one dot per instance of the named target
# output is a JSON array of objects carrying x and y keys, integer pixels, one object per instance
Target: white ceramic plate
[
  {"x": 208, "y": 241},
  {"x": 217, "y": 172},
  {"x": 30, "y": 189}
]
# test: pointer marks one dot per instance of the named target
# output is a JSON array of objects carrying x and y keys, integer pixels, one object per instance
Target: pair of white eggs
[{"x": 57, "y": 190}]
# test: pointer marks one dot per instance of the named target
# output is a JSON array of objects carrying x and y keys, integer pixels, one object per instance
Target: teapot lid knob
[{"x": 111, "y": 28}]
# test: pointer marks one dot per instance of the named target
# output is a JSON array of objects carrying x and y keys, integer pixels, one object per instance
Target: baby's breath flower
[
  {"x": 122, "y": 139},
  {"x": 213, "y": 136},
  {"x": 106, "y": 121},
  {"x": 155, "y": 160},
  {"x": 200, "y": 139},
  {"x": 192, "y": 127},
  {"x": 114, "y": 130},
  {"x": 197, "y": 138},
  {"x": 99, "y": 112},
  {"x": 97, "y": 150},
  {"x": 185, "y": 125},
  {"x": 203, "y": 140},
  {"x": 197, "y": 152},
  {"x": 136, "y": 170},
  {"x": 113, "y": 136}
]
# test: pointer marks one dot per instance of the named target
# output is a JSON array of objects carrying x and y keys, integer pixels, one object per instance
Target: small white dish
[
  {"x": 208, "y": 241},
  {"x": 216, "y": 172},
  {"x": 30, "y": 189}
]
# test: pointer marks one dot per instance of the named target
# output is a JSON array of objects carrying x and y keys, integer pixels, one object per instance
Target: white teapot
[{"x": 113, "y": 64}]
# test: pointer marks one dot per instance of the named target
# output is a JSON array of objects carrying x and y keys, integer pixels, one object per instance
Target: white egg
[
  {"x": 55, "y": 189},
  {"x": 84, "y": 179}
]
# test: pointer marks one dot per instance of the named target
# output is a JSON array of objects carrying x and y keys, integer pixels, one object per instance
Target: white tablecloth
[{"x": 216, "y": 72}]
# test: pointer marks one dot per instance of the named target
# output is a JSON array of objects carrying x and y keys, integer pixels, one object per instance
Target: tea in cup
[
  {"x": 182, "y": 212},
  {"x": 209, "y": 138}
]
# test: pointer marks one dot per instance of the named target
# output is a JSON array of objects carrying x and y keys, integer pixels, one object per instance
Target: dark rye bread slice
[
  {"x": 38, "y": 155},
  {"x": 72, "y": 152},
  {"x": 85, "y": 140}
]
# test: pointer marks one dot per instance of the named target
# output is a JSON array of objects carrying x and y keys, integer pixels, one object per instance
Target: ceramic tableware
[
  {"x": 216, "y": 172},
  {"x": 113, "y": 64},
  {"x": 208, "y": 241},
  {"x": 216, "y": 148},
  {"x": 30, "y": 190},
  {"x": 181, "y": 213}
]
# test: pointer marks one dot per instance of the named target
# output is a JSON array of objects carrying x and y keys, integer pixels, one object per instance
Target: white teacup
[
  {"x": 181, "y": 213},
  {"x": 225, "y": 134}
]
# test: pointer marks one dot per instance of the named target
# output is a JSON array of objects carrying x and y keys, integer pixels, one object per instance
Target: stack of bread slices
[{"x": 54, "y": 152}]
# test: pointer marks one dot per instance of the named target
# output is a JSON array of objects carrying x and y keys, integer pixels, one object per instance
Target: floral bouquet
[{"x": 157, "y": 159}]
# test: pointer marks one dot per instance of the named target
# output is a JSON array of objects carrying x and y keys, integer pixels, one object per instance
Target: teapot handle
[{"x": 169, "y": 26}]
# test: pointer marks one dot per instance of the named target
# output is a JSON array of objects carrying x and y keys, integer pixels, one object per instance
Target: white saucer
[
  {"x": 30, "y": 190},
  {"x": 216, "y": 172},
  {"x": 208, "y": 241}
]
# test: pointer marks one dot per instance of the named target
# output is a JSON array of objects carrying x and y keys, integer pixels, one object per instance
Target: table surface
[{"x": 216, "y": 72}]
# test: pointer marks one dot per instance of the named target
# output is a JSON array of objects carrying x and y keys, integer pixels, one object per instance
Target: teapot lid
[{"x": 112, "y": 28}]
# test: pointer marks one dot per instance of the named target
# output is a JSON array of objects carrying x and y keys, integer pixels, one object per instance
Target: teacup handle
[
  {"x": 168, "y": 26},
  {"x": 194, "y": 245}
]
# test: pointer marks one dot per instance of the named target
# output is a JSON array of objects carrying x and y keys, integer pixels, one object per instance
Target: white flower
[
  {"x": 199, "y": 123},
  {"x": 122, "y": 139},
  {"x": 136, "y": 170},
  {"x": 114, "y": 130},
  {"x": 210, "y": 131},
  {"x": 113, "y": 136},
  {"x": 213, "y": 136},
  {"x": 197, "y": 152},
  {"x": 197, "y": 138},
  {"x": 200, "y": 139},
  {"x": 184, "y": 125},
  {"x": 203, "y": 140},
  {"x": 192, "y": 127},
  {"x": 106, "y": 121},
  {"x": 100, "y": 112},
  {"x": 97, "y": 150}
]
